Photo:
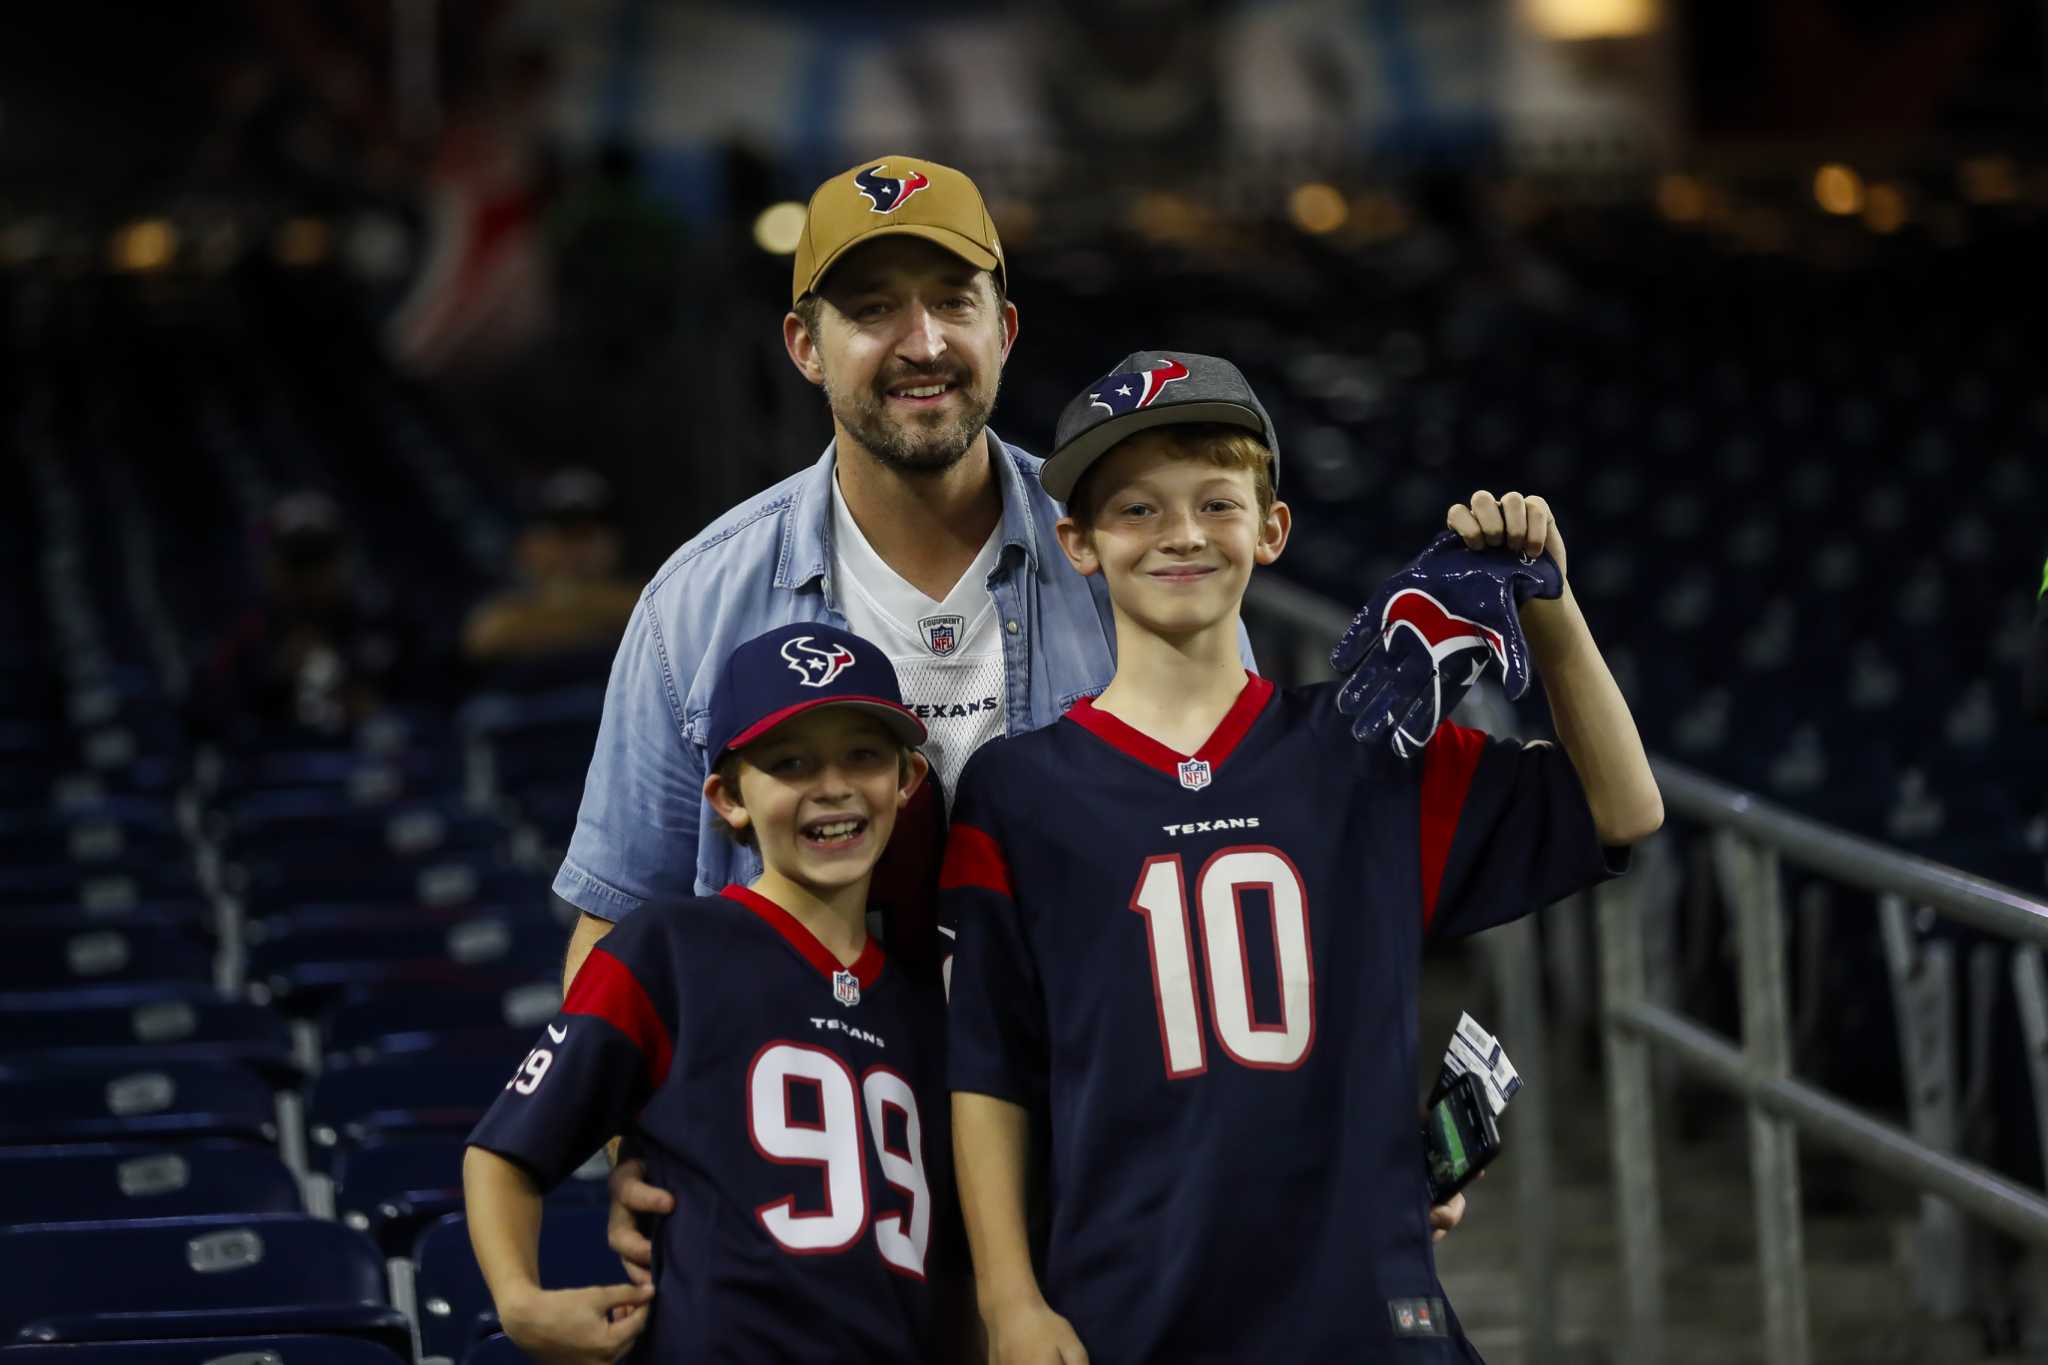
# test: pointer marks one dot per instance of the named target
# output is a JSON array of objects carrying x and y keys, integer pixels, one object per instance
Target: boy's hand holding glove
[{"x": 1428, "y": 633}]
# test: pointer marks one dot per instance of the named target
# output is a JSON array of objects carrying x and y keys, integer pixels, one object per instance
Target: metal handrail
[{"x": 1850, "y": 859}]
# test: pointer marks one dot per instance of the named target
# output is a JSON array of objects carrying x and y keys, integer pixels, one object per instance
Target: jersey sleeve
[
  {"x": 1504, "y": 829},
  {"x": 995, "y": 1013},
  {"x": 597, "y": 1063}
]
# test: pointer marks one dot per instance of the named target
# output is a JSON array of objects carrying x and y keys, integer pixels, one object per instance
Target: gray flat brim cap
[{"x": 1150, "y": 389}]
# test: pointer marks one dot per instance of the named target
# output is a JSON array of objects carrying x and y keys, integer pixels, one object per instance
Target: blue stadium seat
[
  {"x": 268, "y": 1350},
  {"x": 102, "y": 1181},
  {"x": 40, "y": 959},
  {"x": 160, "y": 1031},
  {"x": 454, "y": 1303},
  {"x": 50, "y": 1104},
  {"x": 367, "y": 1020},
  {"x": 235, "y": 1275},
  {"x": 390, "y": 1190},
  {"x": 350, "y": 1106}
]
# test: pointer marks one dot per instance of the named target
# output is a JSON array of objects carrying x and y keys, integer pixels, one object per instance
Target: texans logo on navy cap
[
  {"x": 1117, "y": 394},
  {"x": 887, "y": 193},
  {"x": 797, "y": 668}
]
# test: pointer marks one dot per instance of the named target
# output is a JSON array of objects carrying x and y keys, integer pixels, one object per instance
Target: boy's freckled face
[
  {"x": 1176, "y": 538},
  {"x": 821, "y": 793}
]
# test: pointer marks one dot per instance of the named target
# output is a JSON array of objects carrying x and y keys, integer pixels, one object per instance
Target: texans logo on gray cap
[{"x": 1151, "y": 389}]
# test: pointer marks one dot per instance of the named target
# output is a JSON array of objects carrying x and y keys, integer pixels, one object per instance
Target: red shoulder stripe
[
  {"x": 973, "y": 859},
  {"x": 606, "y": 989},
  {"x": 1448, "y": 762}
]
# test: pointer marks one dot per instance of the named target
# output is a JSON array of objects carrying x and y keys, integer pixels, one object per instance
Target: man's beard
[{"x": 915, "y": 443}]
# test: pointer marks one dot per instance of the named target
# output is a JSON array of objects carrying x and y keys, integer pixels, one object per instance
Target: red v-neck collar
[
  {"x": 865, "y": 968},
  {"x": 1229, "y": 732}
]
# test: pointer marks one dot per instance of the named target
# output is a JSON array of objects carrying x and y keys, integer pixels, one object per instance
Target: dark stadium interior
[{"x": 275, "y": 847}]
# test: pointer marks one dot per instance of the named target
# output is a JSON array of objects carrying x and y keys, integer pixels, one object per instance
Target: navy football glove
[{"x": 1428, "y": 633}]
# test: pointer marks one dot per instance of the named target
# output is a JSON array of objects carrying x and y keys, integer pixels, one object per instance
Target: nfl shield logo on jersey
[
  {"x": 941, "y": 633},
  {"x": 845, "y": 987},
  {"x": 1194, "y": 774}
]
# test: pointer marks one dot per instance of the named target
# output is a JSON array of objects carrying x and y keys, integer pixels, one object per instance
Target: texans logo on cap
[
  {"x": 1127, "y": 392},
  {"x": 887, "y": 193},
  {"x": 816, "y": 667}
]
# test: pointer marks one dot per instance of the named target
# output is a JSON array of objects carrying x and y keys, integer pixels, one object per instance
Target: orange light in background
[
  {"x": 302, "y": 242},
  {"x": 1165, "y": 217},
  {"x": 1317, "y": 208},
  {"x": 1989, "y": 180},
  {"x": 779, "y": 227},
  {"x": 1681, "y": 198},
  {"x": 146, "y": 245},
  {"x": 1884, "y": 208},
  {"x": 1571, "y": 20},
  {"x": 1837, "y": 189}
]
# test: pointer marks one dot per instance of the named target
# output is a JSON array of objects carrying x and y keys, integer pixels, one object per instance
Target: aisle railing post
[{"x": 1631, "y": 1123}]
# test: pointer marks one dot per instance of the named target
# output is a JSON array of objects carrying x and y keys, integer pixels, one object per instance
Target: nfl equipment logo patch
[
  {"x": 941, "y": 633},
  {"x": 845, "y": 987},
  {"x": 1194, "y": 774}
]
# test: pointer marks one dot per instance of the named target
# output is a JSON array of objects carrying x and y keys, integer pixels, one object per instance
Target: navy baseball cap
[
  {"x": 797, "y": 668},
  {"x": 1151, "y": 389}
]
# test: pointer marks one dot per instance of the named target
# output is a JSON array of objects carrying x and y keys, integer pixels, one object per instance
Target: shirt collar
[{"x": 807, "y": 537}]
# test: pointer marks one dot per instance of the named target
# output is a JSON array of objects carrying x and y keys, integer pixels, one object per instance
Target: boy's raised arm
[
  {"x": 1592, "y": 718},
  {"x": 991, "y": 1144}
]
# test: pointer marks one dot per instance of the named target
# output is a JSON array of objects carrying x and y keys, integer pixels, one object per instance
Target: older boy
[
  {"x": 784, "y": 1080},
  {"x": 1235, "y": 1167}
]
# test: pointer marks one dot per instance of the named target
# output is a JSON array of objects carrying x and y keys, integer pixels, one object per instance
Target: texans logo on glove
[{"x": 1429, "y": 633}]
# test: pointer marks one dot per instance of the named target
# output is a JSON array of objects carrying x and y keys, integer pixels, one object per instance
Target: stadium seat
[
  {"x": 351, "y": 1106},
  {"x": 47, "y": 1104},
  {"x": 39, "y": 959},
  {"x": 495, "y": 1349},
  {"x": 235, "y": 1275},
  {"x": 258, "y": 1350},
  {"x": 369, "y": 1020},
  {"x": 454, "y": 1303},
  {"x": 160, "y": 1031},
  {"x": 102, "y": 1181},
  {"x": 390, "y": 1190}
]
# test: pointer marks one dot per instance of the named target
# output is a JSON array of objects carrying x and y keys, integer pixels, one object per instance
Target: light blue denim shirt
[{"x": 643, "y": 833}]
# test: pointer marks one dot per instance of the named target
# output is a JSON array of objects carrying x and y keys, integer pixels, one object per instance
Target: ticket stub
[{"x": 1474, "y": 1050}]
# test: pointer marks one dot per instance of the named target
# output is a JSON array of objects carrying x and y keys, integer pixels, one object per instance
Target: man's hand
[
  {"x": 631, "y": 1195},
  {"x": 1031, "y": 1333},
  {"x": 577, "y": 1326}
]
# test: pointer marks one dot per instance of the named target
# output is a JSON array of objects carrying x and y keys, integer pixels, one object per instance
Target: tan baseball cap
[{"x": 895, "y": 194}]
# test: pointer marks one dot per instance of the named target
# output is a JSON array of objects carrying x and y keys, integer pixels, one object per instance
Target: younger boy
[
  {"x": 783, "y": 1080},
  {"x": 1236, "y": 1172}
]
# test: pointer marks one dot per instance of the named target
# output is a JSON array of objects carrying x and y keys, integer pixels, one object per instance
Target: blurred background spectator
[{"x": 570, "y": 599}]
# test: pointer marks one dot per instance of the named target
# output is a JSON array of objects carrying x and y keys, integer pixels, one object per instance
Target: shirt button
[{"x": 1012, "y": 627}]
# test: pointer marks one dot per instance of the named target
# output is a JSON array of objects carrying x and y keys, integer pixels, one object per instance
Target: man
[{"x": 918, "y": 529}]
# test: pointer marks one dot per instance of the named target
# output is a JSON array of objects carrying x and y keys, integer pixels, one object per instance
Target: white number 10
[{"x": 1161, "y": 898}]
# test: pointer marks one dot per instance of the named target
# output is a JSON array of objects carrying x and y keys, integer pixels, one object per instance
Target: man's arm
[
  {"x": 589, "y": 929},
  {"x": 991, "y": 1142}
]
